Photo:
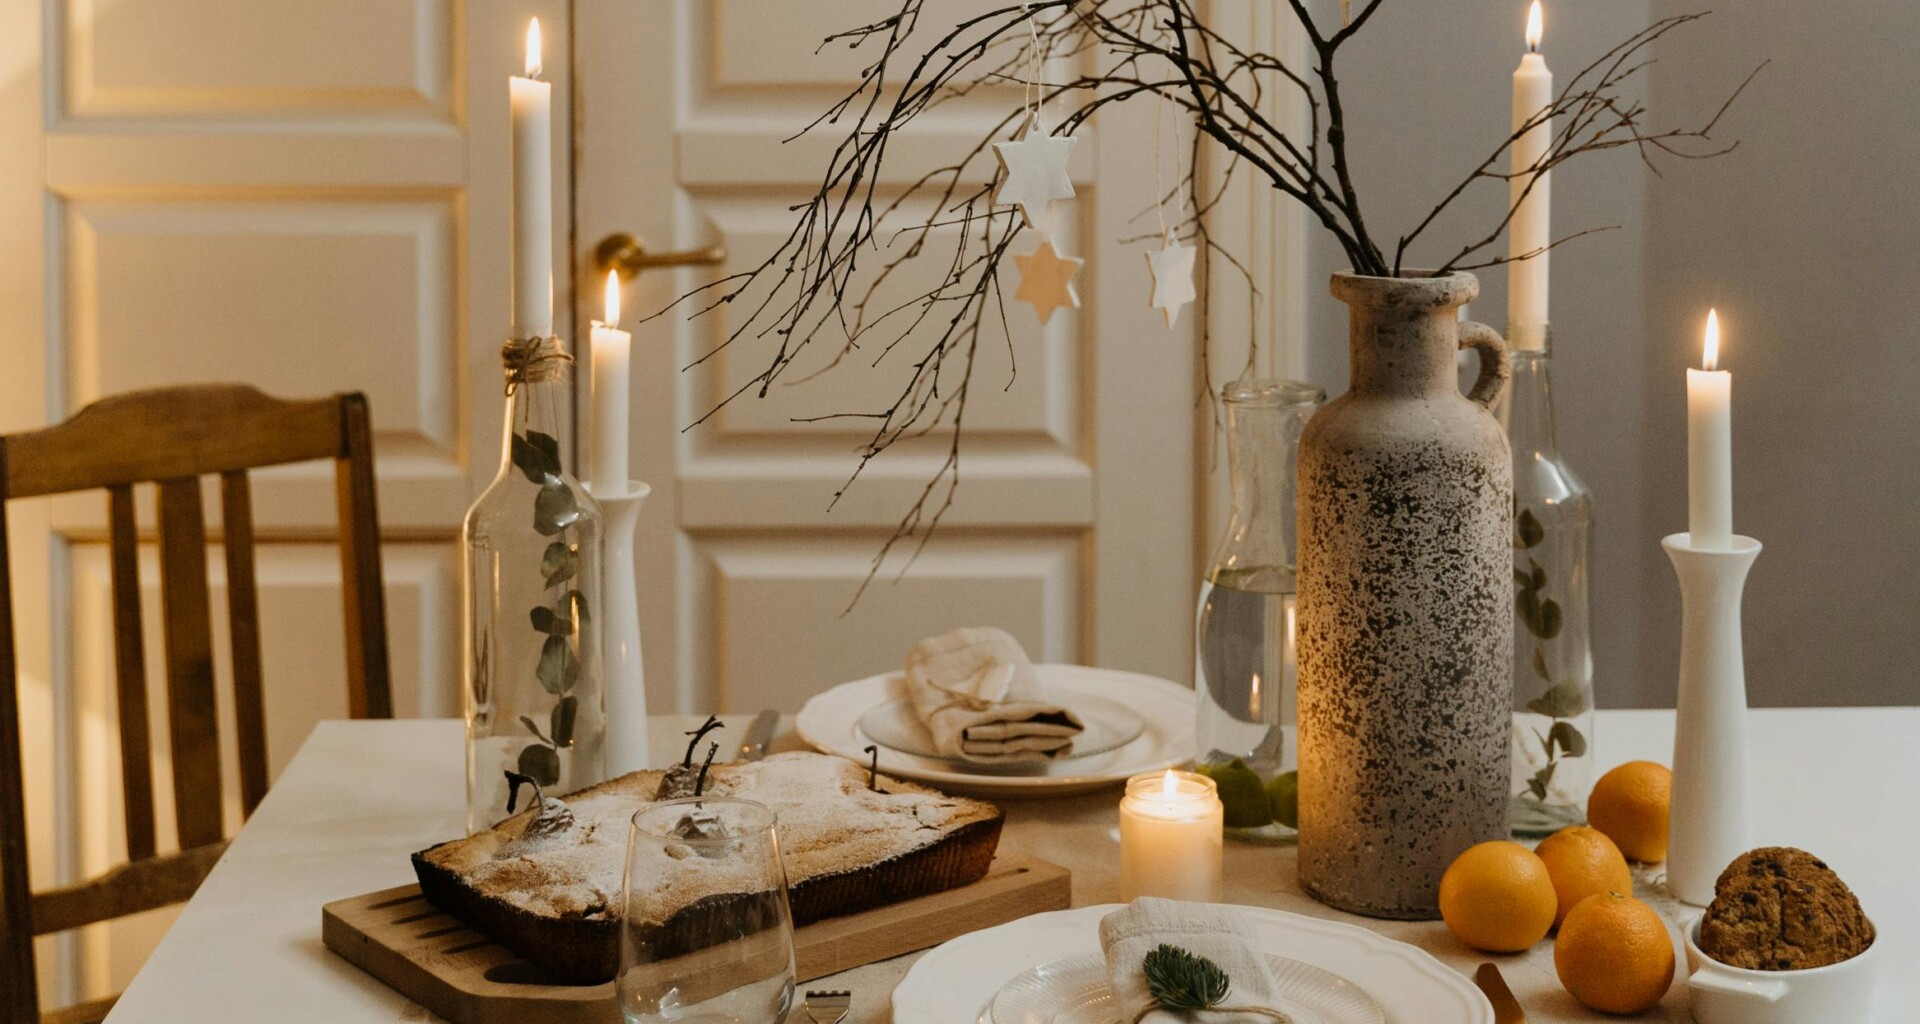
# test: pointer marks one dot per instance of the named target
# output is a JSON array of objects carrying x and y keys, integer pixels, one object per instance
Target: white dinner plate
[
  {"x": 1106, "y": 725},
  {"x": 830, "y": 722},
  {"x": 954, "y": 982},
  {"x": 1074, "y": 990}
]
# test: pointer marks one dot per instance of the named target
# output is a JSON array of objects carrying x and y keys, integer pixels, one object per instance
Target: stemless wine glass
[{"x": 706, "y": 935}]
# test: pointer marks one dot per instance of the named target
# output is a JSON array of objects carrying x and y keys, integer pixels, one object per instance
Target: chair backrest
[{"x": 170, "y": 438}]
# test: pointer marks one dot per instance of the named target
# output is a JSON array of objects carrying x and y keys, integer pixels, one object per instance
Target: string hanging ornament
[
  {"x": 1171, "y": 265},
  {"x": 1033, "y": 173}
]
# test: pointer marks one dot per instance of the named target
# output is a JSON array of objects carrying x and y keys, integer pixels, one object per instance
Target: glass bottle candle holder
[
  {"x": 1170, "y": 841},
  {"x": 1245, "y": 670}
]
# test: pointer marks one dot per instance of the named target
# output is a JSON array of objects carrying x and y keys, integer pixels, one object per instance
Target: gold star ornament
[
  {"x": 1046, "y": 280},
  {"x": 1033, "y": 171},
  {"x": 1171, "y": 267}
]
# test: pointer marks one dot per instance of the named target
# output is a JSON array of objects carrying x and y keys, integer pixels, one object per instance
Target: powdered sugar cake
[{"x": 554, "y": 899}]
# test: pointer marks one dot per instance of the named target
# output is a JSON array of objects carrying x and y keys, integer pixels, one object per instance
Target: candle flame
[
  {"x": 1169, "y": 784},
  {"x": 533, "y": 48},
  {"x": 1533, "y": 27},
  {"x": 1711, "y": 359},
  {"x": 613, "y": 299}
]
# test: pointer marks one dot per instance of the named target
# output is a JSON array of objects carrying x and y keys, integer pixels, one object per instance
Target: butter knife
[
  {"x": 1506, "y": 1009},
  {"x": 759, "y": 734}
]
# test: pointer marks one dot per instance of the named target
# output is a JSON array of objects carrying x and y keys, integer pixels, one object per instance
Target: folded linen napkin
[
  {"x": 1202, "y": 929},
  {"x": 978, "y": 696}
]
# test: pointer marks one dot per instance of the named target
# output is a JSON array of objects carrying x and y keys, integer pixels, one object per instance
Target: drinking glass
[{"x": 706, "y": 935}]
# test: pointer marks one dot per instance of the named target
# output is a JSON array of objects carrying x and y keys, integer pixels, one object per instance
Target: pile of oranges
[{"x": 1612, "y": 951}]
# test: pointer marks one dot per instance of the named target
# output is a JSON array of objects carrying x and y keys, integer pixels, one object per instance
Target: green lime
[
  {"x": 1283, "y": 795},
  {"x": 1244, "y": 798}
]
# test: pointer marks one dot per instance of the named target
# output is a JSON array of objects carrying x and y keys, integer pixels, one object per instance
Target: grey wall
[{"x": 1807, "y": 238}]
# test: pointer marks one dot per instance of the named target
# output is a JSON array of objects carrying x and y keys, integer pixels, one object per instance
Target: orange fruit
[
  {"x": 1613, "y": 954},
  {"x": 1583, "y": 862},
  {"x": 1630, "y": 804},
  {"x": 1497, "y": 897}
]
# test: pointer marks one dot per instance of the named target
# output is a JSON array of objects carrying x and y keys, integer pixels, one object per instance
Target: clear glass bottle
[
  {"x": 1245, "y": 672},
  {"x": 534, "y": 694},
  {"x": 1552, "y": 650}
]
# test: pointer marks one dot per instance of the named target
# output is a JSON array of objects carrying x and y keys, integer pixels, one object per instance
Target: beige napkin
[
  {"x": 978, "y": 696},
  {"x": 1203, "y": 929}
]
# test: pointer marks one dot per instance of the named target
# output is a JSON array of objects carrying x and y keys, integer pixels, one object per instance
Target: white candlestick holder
[
  {"x": 626, "y": 685},
  {"x": 1712, "y": 813}
]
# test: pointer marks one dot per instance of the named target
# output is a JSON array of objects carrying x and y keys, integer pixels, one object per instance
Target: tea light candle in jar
[{"x": 1170, "y": 837}]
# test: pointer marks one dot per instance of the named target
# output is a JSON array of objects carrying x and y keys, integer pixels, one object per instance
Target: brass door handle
[{"x": 624, "y": 253}]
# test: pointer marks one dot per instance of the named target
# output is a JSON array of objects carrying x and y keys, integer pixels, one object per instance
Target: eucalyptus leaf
[
  {"x": 1562, "y": 700},
  {"x": 1527, "y": 529},
  {"x": 1527, "y": 604},
  {"x": 1541, "y": 779},
  {"x": 554, "y": 508},
  {"x": 579, "y": 605},
  {"x": 534, "y": 729},
  {"x": 562, "y": 721},
  {"x": 1540, "y": 664},
  {"x": 558, "y": 666},
  {"x": 549, "y": 450},
  {"x": 1551, "y": 619},
  {"x": 1571, "y": 743},
  {"x": 1522, "y": 580},
  {"x": 540, "y": 763},
  {"x": 548, "y": 621},
  {"x": 559, "y": 563},
  {"x": 527, "y": 459},
  {"x": 1537, "y": 577}
]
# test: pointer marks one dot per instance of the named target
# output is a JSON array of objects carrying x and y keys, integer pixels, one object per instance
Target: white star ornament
[
  {"x": 1046, "y": 280},
  {"x": 1033, "y": 172},
  {"x": 1171, "y": 267}
]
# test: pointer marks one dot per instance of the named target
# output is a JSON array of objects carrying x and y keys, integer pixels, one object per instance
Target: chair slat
[
  {"x": 130, "y": 673},
  {"x": 369, "y": 688},
  {"x": 127, "y": 889},
  {"x": 243, "y": 620},
  {"x": 193, "y": 722}
]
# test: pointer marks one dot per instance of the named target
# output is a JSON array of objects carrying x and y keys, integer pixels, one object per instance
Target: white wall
[{"x": 1805, "y": 237}]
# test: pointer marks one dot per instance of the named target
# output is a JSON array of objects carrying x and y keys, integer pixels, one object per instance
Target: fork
[{"x": 828, "y": 1007}]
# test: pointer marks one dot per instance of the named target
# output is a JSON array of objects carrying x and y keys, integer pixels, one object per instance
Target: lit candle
[
  {"x": 1531, "y": 228},
  {"x": 532, "y": 121},
  {"x": 1710, "y": 447},
  {"x": 612, "y": 352},
  {"x": 1170, "y": 841}
]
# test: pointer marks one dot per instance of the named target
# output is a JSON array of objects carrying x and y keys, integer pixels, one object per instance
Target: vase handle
[{"x": 1496, "y": 365}]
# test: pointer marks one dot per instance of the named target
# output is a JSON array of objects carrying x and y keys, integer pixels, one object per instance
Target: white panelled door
[
  {"x": 309, "y": 197},
  {"x": 1073, "y": 526}
]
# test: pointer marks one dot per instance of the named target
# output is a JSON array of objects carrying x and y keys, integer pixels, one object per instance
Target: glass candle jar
[{"x": 1170, "y": 841}]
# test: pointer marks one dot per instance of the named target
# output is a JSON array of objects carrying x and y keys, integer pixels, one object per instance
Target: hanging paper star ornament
[
  {"x": 1033, "y": 171},
  {"x": 1046, "y": 280},
  {"x": 1171, "y": 267}
]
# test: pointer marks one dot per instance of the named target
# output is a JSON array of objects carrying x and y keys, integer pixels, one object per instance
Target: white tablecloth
[{"x": 361, "y": 796}]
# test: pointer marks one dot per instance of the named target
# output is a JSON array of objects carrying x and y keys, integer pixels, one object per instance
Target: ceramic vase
[{"x": 1405, "y": 603}]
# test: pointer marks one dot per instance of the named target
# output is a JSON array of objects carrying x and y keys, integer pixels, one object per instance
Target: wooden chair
[{"x": 171, "y": 437}]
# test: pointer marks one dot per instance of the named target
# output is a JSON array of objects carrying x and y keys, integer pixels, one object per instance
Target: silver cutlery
[
  {"x": 828, "y": 1007},
  {"x": 759, "y": 734}
]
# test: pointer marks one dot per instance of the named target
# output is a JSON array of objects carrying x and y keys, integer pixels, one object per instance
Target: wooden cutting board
[{"x": 433, "y": 958}]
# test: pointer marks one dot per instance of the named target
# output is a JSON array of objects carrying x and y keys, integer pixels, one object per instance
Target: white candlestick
[
  {"x": 532, "y": 130},
  {"x": 1531, "y": 229},
  {"x": 611, "y": 383},
  {"x": 1170, "y": 839},
  {"x": 1710, "y": 448}
]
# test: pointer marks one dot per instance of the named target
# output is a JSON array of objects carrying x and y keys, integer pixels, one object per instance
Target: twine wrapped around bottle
[{"x": 533, "y": 360}]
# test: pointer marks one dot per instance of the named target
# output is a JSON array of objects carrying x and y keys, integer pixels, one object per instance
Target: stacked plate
[
  {"x": 1047, "y": 969},
  {"x": 1134, "y": 724}
]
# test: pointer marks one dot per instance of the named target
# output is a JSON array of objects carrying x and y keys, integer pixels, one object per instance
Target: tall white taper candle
[
  {"x": 532, "y": 131},
  {"x": 1710, "y": 447},
  {"x": 1531, "y": 229},
  {"x": 612, "y": 354}
]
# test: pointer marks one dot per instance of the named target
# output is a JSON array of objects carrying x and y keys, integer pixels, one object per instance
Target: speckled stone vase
[{"x": 1405, "y": 617}]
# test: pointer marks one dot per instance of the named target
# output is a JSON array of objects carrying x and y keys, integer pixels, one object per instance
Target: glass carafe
[
  {"x": 531, "y": 656},
  {"x": 1244, "y": 664},
  {"x": 1552, "y": 646}
]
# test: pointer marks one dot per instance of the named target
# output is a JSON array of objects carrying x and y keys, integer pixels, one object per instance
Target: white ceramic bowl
[{"x": 1839, "y": 993}]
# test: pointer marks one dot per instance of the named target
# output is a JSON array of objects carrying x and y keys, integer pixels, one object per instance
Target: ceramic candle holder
[
  {"x": 626, "y": 689},
  {"x": 1712, "y": 787}
]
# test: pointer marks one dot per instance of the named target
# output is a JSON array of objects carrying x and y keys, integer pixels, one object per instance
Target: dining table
[{"x": 360, "y": 796}]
